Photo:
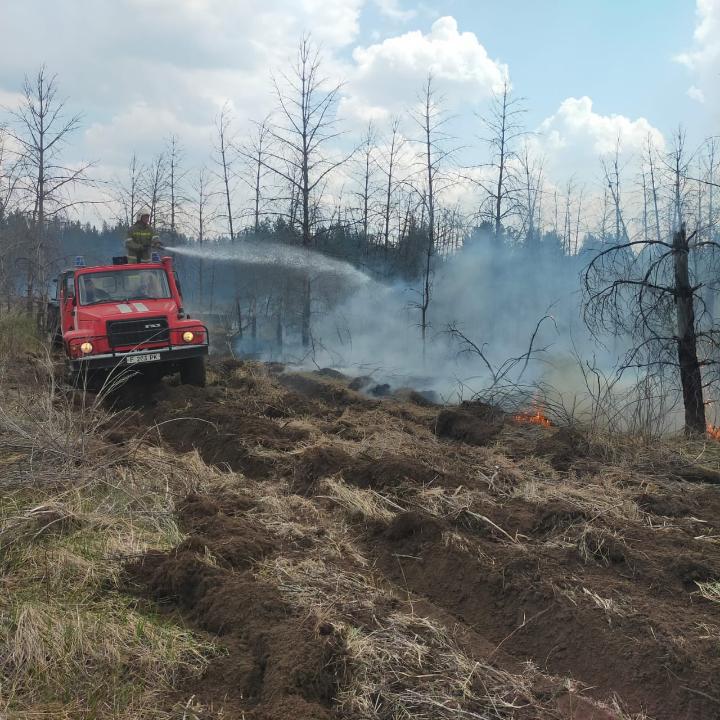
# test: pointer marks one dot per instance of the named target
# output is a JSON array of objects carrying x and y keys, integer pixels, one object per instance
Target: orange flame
[
  {"x": 713, "y": 432},
  {"x": 536, "y": 418}
]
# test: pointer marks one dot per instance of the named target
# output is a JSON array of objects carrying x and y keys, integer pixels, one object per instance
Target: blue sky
[
  {"x": 619, "y": 52},
  {"x": 591, "y": 70}
]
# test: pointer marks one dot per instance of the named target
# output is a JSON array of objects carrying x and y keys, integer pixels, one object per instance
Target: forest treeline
[{"x": 395, "y": 201}]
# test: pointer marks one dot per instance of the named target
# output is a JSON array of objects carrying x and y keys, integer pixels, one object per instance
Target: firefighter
[
  {"x": 141, "y": 239},
  {"x": 93, "y": 294}
]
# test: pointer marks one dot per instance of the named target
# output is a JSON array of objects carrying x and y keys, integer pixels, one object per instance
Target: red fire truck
[{"x": 127, "y": 318}]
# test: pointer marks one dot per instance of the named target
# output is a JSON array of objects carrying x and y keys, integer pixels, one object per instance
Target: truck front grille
[{"x": 124, "y": 333}]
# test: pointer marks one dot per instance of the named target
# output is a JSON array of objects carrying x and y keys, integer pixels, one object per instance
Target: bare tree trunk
[
  {"x": 238, "y": 314},
  {"x": 690, "y": 375},
  {"x": 253, "y": 319},
  {"x": 223, "y": 150},
  {"x": 41, "y": 132},
  {"x": 394, "y": 147},
  {"x": 306, "y": 308},
  {"x": 430, "y": 204},
  {"x": 133, "y": 200},
  {"x": 501, "y": 167},
  {"x": 653, "y": 190},
  {"x": 174, "y": 159},
  {"x": 645, "y": 208},
  {"x": 279, "y": 325}
]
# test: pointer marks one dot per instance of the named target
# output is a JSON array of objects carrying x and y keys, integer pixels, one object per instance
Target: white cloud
[
  {"x": 141, "y": 69},
  {"x": 389, "y": 74},
  {"x": 392, "y": 10},
  {"x": 575, "y": 137},
  {"x": 696, "y": 94},
  {"x": 703, "y": 59}
]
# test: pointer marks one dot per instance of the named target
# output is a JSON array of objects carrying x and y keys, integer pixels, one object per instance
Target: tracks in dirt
[{"x": 605, "y": 599}]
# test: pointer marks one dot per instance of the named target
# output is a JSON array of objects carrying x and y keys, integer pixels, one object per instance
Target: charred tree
[
  {"x": 689, "y": 366},
  {"x": 645, "y": 292}
]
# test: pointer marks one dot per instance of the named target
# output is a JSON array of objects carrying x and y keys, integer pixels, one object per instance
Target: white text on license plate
[{"x": 147, "y": 357}]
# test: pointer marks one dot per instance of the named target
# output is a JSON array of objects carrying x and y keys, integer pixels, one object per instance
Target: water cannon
[{"x": 79, "y": 261}]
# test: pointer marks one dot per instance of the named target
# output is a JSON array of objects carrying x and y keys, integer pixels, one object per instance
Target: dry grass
[
  {"x": 410, "y": 667},
  {"x": 399, "y": 664},
  {"x": 73, "y": 509},
  {"x": 710, "y": 591},
  {"x": 360, "y": 504}
]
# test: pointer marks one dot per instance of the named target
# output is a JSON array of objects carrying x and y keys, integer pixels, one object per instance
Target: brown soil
[
  {"x": 563, "y": 447},
  {"x": 474, "y": 423},
  {"x": 590, "y": 576},
  {"x": 388, "y": 471},
  {"x": 275, "y": 660},
  {"x": 316, "y": 463}
]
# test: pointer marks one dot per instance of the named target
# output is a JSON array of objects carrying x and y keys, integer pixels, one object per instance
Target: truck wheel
[{"x": 192, "y": 372}]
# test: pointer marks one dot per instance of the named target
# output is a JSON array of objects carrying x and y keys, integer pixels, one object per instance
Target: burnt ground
[{"x": 333, "y": 530}]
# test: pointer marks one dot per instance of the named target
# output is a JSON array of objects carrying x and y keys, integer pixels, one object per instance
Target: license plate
[{"x": 147, "y": 357}]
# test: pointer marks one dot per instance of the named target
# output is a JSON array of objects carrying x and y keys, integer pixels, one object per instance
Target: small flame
[
  {"x": 713, "y": 432},
  {"x": 535, "y": 418}
]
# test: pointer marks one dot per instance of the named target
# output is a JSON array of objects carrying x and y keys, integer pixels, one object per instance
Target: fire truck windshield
[{"x": 123, "y": 285}]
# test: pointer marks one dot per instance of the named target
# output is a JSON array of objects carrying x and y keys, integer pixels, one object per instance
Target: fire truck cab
[{"x": 127, "y": 318}]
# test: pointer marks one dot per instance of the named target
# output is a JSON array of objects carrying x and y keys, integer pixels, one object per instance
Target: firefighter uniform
[{"x": 140, "y": 242}]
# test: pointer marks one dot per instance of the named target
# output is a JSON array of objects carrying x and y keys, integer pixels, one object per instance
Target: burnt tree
[{"x": 644, "y": 292}]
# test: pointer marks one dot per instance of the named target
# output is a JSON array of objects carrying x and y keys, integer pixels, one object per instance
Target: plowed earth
[{"x": 335, "y": 530}]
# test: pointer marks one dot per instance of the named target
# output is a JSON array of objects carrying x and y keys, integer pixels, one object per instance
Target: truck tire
[{"x": 192, "y": 371}]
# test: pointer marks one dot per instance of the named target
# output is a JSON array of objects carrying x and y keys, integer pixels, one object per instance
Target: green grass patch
[{"x": 20, "y": 335}]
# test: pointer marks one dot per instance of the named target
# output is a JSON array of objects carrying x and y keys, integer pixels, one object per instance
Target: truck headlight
[
  {"x": 188, "y": 336},
  {"x": 86, "y": 348}
]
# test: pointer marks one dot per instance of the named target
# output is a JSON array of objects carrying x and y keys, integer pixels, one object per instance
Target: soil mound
[
  {"x": 413, "y": 525},
  {"x": 316, "y": 463},
  {"x": 425, "y": 398},
  {"x": 275, "y": 661},
  {"x": 292, "y": 404},
  {"x": 474, "y": 423},
  {"x": 381, "y": 390},
  {"x": 321, "y": 388},
  {"x": 330, "y": 373},
  {"x": 389, "y": 471},
  {"x": 360, "y": 382},
  {"x": 225, "y": 436},
  {"x": 558, "y": 516},
  {"x": 563, "y": 447},
  {"x": 234, "y": 541},
  {"x": 672, "y": 507}
]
